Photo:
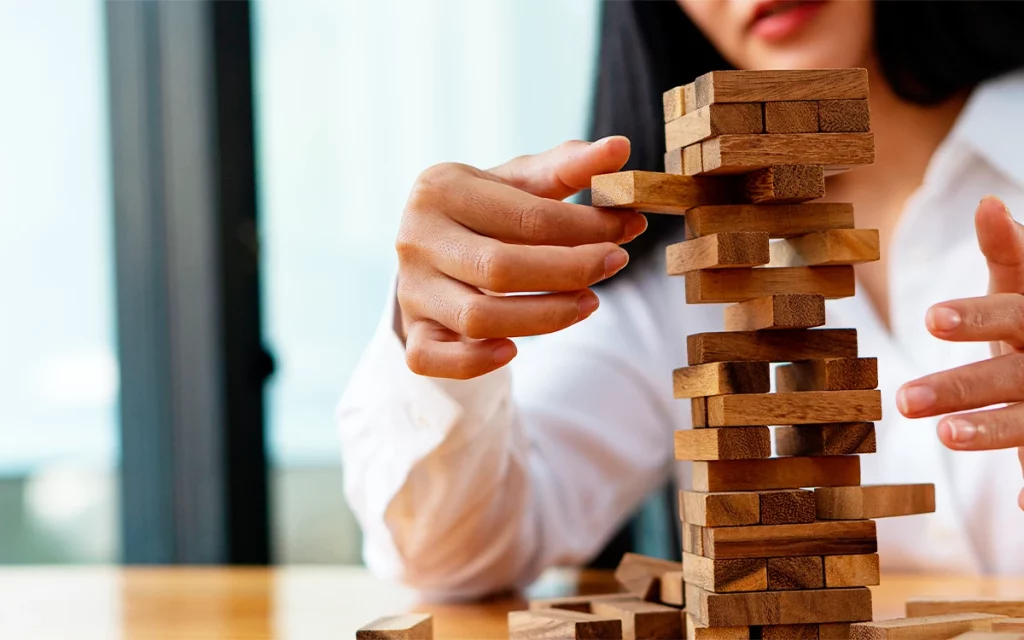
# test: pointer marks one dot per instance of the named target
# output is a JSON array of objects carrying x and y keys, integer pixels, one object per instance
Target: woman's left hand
[{"x": 997, "y": 318}]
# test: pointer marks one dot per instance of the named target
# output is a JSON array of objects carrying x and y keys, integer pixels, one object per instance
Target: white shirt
[{"x": 465, "y": 487}]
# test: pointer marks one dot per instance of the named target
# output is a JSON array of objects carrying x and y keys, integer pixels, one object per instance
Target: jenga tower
[{"x": 773, "y": 547}]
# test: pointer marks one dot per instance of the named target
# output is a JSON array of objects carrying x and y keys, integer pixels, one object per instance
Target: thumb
[
  {"x": 1001, "y": 239},
  {"x": 566, "y": 169}
]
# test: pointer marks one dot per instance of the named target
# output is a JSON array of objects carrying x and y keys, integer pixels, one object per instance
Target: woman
[{"x": 468, "y": 477}]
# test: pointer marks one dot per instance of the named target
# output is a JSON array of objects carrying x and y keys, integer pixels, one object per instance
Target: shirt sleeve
[{"x": 466, "y": 487}]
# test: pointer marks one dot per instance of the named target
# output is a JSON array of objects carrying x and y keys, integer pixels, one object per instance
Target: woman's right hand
[{"x": 467, "y": 235}]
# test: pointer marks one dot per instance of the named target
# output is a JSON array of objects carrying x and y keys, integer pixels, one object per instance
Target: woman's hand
[
  {"x": 997, "y": 318},
  {"x": 467, "y": 235}
]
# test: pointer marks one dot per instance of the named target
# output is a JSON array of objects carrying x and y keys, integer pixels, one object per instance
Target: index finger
[{"x": 1001, "y": 239}]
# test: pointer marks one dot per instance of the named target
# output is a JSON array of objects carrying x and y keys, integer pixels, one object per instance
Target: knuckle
[
  {"x": 431, "y": 184},
  {"x": 958, "y": 388},
  {"x": 472, "y": 319},
  {"x": 495, "y": 269},
  {"x": 408, "y": 245},
  {"x": 529, "y": 220},
  {"x": 417, "y": 359}
]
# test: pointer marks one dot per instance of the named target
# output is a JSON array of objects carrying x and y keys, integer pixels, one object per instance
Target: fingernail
[
  {"x": 942, "y": 319},
  {"x": 635, "y": 226},
  {"x": 915, "y": 399},
  {"x": 587, "y": 304},
  {"x": 503, "y": 353},
  {"x": 602, "y": 141},
  {"x": 960, "y": 431},
  {"x": 614, "y": 262}
]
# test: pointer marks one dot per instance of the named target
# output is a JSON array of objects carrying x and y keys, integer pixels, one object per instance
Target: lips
[{"x": 778, "y": 19}]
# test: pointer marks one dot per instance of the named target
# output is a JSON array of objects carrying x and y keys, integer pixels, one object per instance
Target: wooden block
[
  {"x": 643, "y": 620},
  {"x": 776, "y": 473},
  {"x": 782, "y": 311},
  {"x": 986, "y": 635},
  {"x": 411, "y": 626},
  {"x": 739, "y": 285},
  {"x": 719, "y": 509},
  {"x": 778, "y": 607},
  {"x": 784, "y": 183},
  {"x": 797, "y": 572},
  {"x": 672, "y": 591},
  {"x": 656, "y": 192},
  {"x": 790, "y": 506},
  {"x": 777, "y": 220},
  {"x": 696, "y": 630},
  {"x": 718, "y": 378},
  {"x": 776, "y": 86},
  {"x": 581, "y": 604},
  {"x": 838, "y": 439},
  {"x": 738, "y": 443},
  {"x": 731, "y": 249},
  {"x": 851, "y": 571},
  {"x": 834, "y": 631},
  {"x": 771, "y": 346},
  {"x": 735, "y": 154},
  {"x": 791, "y": 117},
  {"x": 806, "y": 407},
  {"x": 922, "y": 628},
  {"x": 714, "y": 120},
  {"x": 790, "y": 632},
  {"x": 832, "y": 247},
  {"x": 546, "y": 624},
  {"x": 726, "y": 575},
  {"x": 674, "y": 162},
  {"x": 843, "y": 116},
  {"x": 640, "y": 575},
  {"x": 874, "y": 501},
  {"x": 693, "y": 539},
  {"x": 674, "y": 103},
  {"x": 698, "y": 412},
  {"x": 1008, "y": 624},
  {"x": 790, "y": 540},
  {"x": 917, "y": 607},
  {"x": 829, "y": 374},
  {"x": 693, "y": 160}
]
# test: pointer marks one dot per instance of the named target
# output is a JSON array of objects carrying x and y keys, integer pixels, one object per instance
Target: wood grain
[
  {"x": 672, "y": 591},
  {"x": 771, "y": 346},
  {"x": 581, "y": 604},
  {"x": 718, "y": 378},
  {"x": 843, "y": 116},
  {"x": 785, "y": 85},
  {"x": 788, "y": 506},
  {"x": 693, "y": 160},
  {"x": 640, "y": 575},
  {"x": 410, "y": 626},
  {"x": 737, "y": 443},
  {"x": 791, "y": 117},
  {"x": 778, "y": 607},
  {"x": 806, "y": 407},
  {"x": 643, "y": 620},
  {"x": 693, "y": 539},
  {"x": 776, "y": 473},
  {"x": 545, "y": 624},
  {"x": 732, "y": 249},
  {"x": 837, "y": 439},
  {"x": 987, "y": 635},
  {"x": 719, "y": 509},
  {"x": 714, "y": 120},
  {"x": 834, "y": 631},
  {"x": 790, "y": 632},
  {"x": 674, "y": 103},
  {"x": 696, "y": 630},
  {"x": 786, "y": 540},
  {"x": 795, "y": 572},
  {"x": 656, "y": 192},
  {"x": 918, "y": 607},
  {"x": 698, "y": 412},
  {"x": 828, "y": 374},
  {"x": 1008, "y": 624},
  {"x": 852, "y": 571},
  {"x": 784, "y": 184},
  {"x": 725, "y": 575},
  {"x": 740, "y": 285},
  {"x": 743, "y": 153},
  {"x": 922, "y": 628},
  {"x": 874, "y": 501},
  {"x": 777, "y": 220},
  {"x": 831, "y": 247},
  {"x": 781, "y": 311}
]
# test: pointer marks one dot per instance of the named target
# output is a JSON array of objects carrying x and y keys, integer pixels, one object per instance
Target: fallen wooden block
[
  {"x": 672, "y": 590},
  {"x": 684, "y": 161},
  {"x": 739, "y": 285},
  {"x": 776, "y": 473},
  {"x": 732, "y": 249},
  {"x": 795, "y": 572},
  {"x": 656, "y": 192},
  {"x": 834, "y": 631},
  {"x": 790, "y": 540},
  {"x": 788, "y": 506},
  {"x": 837, "y": 439},
  {"x": 411, "y": 626},
  {"x": 922, "y": 628},
  {"x": 643, "y": 620},
  {"x": 719, "y": 509},
  {"x": 830, "y": 247},
  {"x": 717, "y": 378},
  {"x": 917, "y": 607},
  {"x": 640, "y": 575},
  {"x": 843, "y": 116},
  {"x": 1008, "y": 624},
  {"x": 784, "y": 183},
  {"x": 806, "y": 407},
  {"x": 778, "y": 607},
  {"x": 725, "y": 575},
  {"x": 783, "y": 85},
  {"x": 737, "y": 443},
  {"x": 782, "y": 311},
  {"x": 829, "y": 374},
  {"x": 790, "y": 632},
  {"x": 696, "y": 630},
  {"x": 714, "y": 120},
  {"x": 546, "y": 624},
  {"x": 582, "y": 604},
  {"x": 777, "y": 220},
  {"x": 743, "y": 153},
  {"x": 874, "y": 501},
  {"x": 852, "y": 571},
  {"x": 790, "y": 117},
  {"x": 771, "y": 346}
]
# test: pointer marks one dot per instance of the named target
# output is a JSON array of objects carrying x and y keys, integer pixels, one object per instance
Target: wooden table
[{"x": 305, "y": 603}]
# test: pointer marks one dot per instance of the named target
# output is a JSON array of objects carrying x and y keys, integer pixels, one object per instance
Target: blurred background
[{"x": 198, "y": 203}]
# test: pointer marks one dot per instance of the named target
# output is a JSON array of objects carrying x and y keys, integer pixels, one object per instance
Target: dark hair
[{"x": 928, "y": 51}]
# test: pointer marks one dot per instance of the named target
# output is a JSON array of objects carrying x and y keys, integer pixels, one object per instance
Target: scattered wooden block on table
[
  {"x": 795, "y": 572},
  {"x": 831, "y": 247},
  {"x": 777, "y": 220},
  {"x": 778, "y": 607},
  {"x": 874, "y": 501},
  {"x": 784, "y": 85},
  {"x": 656, "y": 192},
  {"x": 782, "y": 311},
  {"x": 719, "y": 509},
  {"x": 834, "y": 631},
  {"x": 788, "y": 506},
  {"x": 771, "y": 346},
  {"x": 672, "y": 591},
  {"x": 852, "y": 571},
  {"x": 740, "y": 285},
  {"x": 805, "y": 407},
  {"x": 643, "y": 620},
  {"x": 922, "y": 628},
  {"x": 829, "y": 374},
  {"x": 790, "y": 632},
  {"x": 640, "y": 575},
  {"x": 411, "y": 626},
  {"x": 674, "y": 102},
  {"x": 917, "y": 607},
  {"x": 546, "y": 624},
  {"x": 714, "y": 120},
  {"x": 798, "y": 116},
  {"x": 790, "y": 540},
  {"x": 743, "y": 153},
  {"x": 725, "y": 575},
  {"x": 726, "y": 250},
  {"x": 696, "y": 630},
  {"x": 1008, "y": 624},
  {"x": 776, "y": 473},
  {"x": 737, "y": 443},
  {"x": 717, "y": 378},
  {"x": 843, "y": 116},
  {"x": 784, "y": 183},
  {"x": 582, "y": 604},
  {"x": 837, "y": 439}
]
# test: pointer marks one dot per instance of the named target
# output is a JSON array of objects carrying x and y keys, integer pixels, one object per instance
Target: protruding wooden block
[
  {"x": 411, "y": 626},
  {"x": 696, "y": 630},
  {"x": 851, "y": 571},
  {"x": 740, "y": 285},
  {"x": 643, "y": 620},
  {"x": 778, "y": 607},
  {"x": 684, "y": 161},
  {"x": 717, "y": 378},
  {"x": 674, "y": 103},
  {"x": 922, "y": 628},
  {"x": 640, "y": 575},
  {"x": 791, "y": 117},
  {"x": 743, "y": 153},
  {"x": 837, "y": 439},
  {"x": 843, "y": 116},
  {"x": 874, "y": 501},
  {"x": 582, "y": 604},
  {"x": 656, "y": 192},
  {"x": 672, "y": 590},
  {"x": 1008, "y": 624},
  {"x": 732, "y": 249},
  {"x": 795, "y": 572},
  {"x": 790, "y": 506},
  {"x": 545, "y": 624},
  {"x": 736, "y": 443},
  {"x": 725, "y": 575},
  {"x": 806, "y": 407},
  {"x": 714, "y": 120},
  {"x": 790, "y": 540},
  {"x": 719, "y": 509},
  {"x": 698, "y": 412},
  {"x": 917, "y": 607},
  {"x": 829, "y": 374},
  {"x": 782, "y": 311},
  {"x": 790, "y": 632},
  {"x": 784, "y": 183},
  {"x": 771, "y": 346},
  {"x": 776, "y": 473},
  {"x": 777, "y": 220},
  {"x": 832, "y": 247},
  {"x": 834, "y": 631},
  {"x": 775, "y": 86}
]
